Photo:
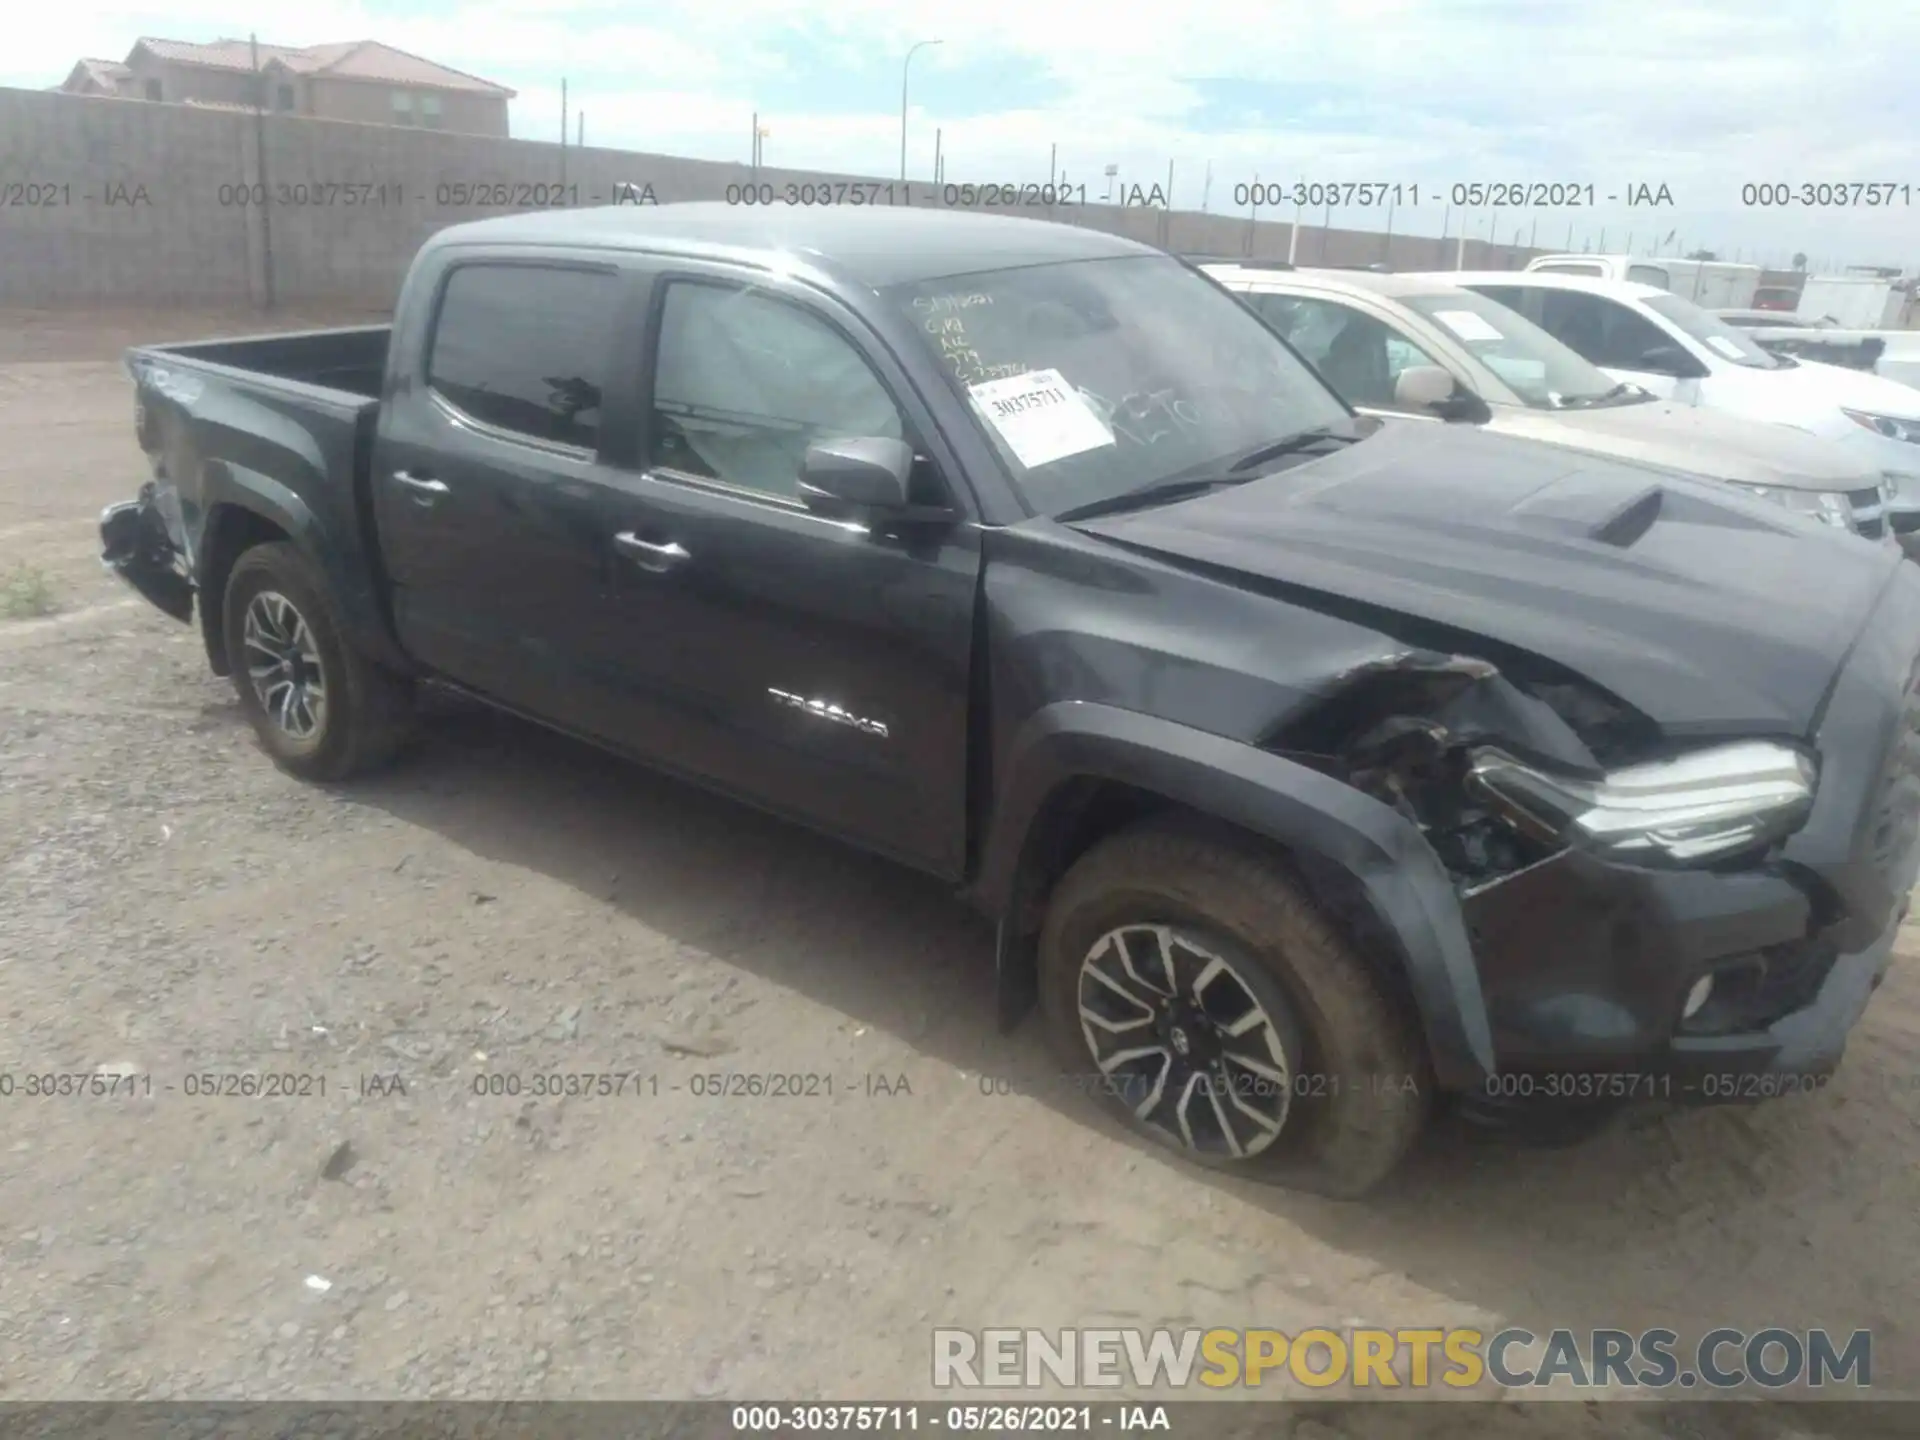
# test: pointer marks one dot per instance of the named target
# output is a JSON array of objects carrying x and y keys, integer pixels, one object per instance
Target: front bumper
[
  {"x": 134, "y": 545},
  {"x": 1586, "y": 965}
]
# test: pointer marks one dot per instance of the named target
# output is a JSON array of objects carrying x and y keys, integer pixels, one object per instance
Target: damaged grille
[
  {"x": 1896, "y": 822},
  {"x": 1869, "y": 512}
]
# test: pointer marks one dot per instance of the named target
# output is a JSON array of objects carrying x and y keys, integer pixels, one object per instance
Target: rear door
[
  {"x": 485, "y": 472},
  {"x": 816, "y": 666}
]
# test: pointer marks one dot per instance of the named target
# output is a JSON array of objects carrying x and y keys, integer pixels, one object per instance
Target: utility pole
[
  {"x": 260, "y": 168},
  {"x": 563, "y": 130},
  {"x": 1206, "y": 190}
]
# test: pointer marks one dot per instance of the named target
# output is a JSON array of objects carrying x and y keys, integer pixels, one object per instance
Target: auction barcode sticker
[{"x": 1040, "y": 416}]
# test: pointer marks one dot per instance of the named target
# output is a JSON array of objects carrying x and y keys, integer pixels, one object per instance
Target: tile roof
[
  {"x": 108, "y": 73},
  {"x": 343, "y": 60}
]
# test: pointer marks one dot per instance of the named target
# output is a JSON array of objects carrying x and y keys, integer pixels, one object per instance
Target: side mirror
[
  {"x": 867, "y": 472},
  {"x": 1668, "y": 360},
  {"x": 1429, "y": 388},
  {"x": 1423, "y": 387}
]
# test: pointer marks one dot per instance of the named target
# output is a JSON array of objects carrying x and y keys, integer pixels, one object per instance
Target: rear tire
[
  {"x": 1188, "y": 979},
  {"x": 321, "y": 710}
]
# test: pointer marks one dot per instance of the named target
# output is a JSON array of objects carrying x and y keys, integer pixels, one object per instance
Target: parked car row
[
  {"x": 1676, "y": 350},
  {"x": 1416, "y": 345},
  {"x": 1317, "y": 765}
]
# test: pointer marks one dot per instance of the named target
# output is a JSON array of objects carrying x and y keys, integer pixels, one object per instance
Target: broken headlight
[
  {"x": 1826, "y": 506},
  {"x": 1693, "y": 807}
]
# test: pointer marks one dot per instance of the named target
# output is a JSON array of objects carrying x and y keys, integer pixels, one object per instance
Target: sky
[{"x": 1701, "y": 96}]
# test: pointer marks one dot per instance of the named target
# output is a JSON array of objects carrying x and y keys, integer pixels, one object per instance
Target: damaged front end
[
  {"x": 1415, "y": 728},
  {"x": 134, "y": 545},
  {"x": 1619, "y": 896},
  {"x": 1500, "y": 771}
]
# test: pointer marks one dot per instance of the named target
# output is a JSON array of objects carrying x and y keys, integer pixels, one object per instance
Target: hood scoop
[{"x": 1587, "y": 506}]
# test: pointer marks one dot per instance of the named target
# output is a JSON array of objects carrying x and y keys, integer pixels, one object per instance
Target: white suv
[{"x": 1680, "y": 352}]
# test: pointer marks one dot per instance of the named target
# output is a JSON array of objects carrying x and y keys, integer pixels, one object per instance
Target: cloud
[{"x": 1701, "y": 95}]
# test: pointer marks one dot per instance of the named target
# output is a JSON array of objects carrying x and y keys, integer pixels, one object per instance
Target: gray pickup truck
[{"x": 1314, "y": 767}]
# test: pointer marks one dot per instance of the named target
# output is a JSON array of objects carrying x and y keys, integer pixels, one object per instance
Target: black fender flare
[
  {"x": 227, "y": 486},
  {"x": 1265, "y": 794}
]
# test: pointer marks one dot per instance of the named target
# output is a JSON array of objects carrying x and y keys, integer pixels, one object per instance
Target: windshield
[
  {"x": 1720, "y": 338},
  {"x": 1545, "y": 374},
  {"x": 1096, "y": 377}
]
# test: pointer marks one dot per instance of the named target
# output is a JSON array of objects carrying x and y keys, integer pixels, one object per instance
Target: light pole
[{"x": 918, "y": 44}]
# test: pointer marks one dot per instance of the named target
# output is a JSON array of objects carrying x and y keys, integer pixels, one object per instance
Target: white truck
[
  {"x": 1710, "y": 284},
  {"x": 1855, "y": 302}
]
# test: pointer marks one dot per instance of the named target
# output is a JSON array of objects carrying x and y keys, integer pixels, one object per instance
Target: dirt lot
[{"x": 506, "y": 901}]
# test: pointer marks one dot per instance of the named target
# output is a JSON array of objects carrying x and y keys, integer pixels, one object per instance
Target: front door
[
  {"x": 1359, "y": 355},
  {"x": 818, "y": 666}
]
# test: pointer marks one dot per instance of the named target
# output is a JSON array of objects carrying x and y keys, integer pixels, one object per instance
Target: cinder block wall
[{"x": 122, "y": 202}]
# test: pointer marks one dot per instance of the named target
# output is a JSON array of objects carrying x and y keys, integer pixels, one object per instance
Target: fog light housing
[{"x": 1696, "y": 997}]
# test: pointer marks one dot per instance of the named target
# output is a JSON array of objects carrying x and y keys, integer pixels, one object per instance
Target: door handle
[
  {"x": 422, "y": 487},
  {"x": 648, "y": 556}
]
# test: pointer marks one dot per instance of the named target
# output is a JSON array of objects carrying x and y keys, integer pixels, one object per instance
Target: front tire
[
  {"x": 321, "y": 710},
  {"x": 1220, "y": 1013}
]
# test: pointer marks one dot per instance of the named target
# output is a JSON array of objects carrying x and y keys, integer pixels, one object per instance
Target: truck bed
[
  {"x": 353, "y": 360},
  {"x": 276, "y": 426}
]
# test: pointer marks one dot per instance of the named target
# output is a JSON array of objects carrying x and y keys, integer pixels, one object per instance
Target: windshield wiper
[
  {"x": 1290, "y": 445},
  {"x": 1179, "y": 487},
  {"x": 1606, "y": 397},
  {"x": 1161, "y": 492}
]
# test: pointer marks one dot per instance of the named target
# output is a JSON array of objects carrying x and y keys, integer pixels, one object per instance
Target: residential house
[{"x": 353, "y": 80}]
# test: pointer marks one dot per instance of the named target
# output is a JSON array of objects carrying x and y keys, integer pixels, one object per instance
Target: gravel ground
[{"x": 508, "y": 902}]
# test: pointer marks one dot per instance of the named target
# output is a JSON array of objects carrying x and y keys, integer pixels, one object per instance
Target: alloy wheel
[
  {"x": 283, "y": 665},
  {"x": 1183, "y": 1041}
]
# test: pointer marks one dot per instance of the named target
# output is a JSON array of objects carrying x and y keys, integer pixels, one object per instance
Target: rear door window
[{"x": 526, "y": 348}]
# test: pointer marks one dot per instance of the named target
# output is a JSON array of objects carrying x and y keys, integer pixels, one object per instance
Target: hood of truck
[
  {"x": 1712, "y": 613},
  {"x": 1703, "y": 442}
]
